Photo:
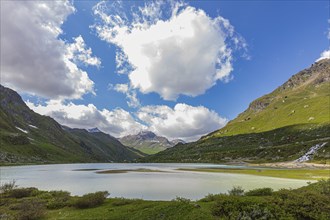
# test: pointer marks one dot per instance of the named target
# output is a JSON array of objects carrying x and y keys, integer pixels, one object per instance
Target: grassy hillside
[
  {"x": 283, "y": 144},
  {"x": 279, "y": 126},
  {"x": 102, "y": 144},
  {"x": 147, "y": 149},
  {"x": 27, "y": 137},
  {"x": 305, "y": 105},
  {"x": 310, "y": 202}
]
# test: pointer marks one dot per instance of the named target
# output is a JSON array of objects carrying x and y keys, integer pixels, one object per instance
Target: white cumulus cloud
[
  {"x": 184, "y": 51},
  {"x": 131, "y": 96},
  {"x": 183, "y": 121},
  {"x": 117, "y": 122},
  {"x": 122, "y": 88},
  {"x": 79, "y": 52},
  {"x": 324, "y": 55},
  {"x": 33, "y": 59}
]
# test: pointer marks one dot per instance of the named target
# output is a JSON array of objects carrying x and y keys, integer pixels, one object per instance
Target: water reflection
[{"x": 165, "y": 185}]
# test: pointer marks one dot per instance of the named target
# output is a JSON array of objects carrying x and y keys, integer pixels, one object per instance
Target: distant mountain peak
[
  {"x": 177, "y": 141},
  {"x": 93, "y": 130},
  {"x": 147, "y": 134},
  {"x": 148, "y": 142}
]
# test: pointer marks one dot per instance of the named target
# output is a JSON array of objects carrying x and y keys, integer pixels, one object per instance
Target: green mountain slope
[
  {"x": 102, "y": 144},
  {"x": 27, "y": 137},
  {"x": 303, "y": 99},
  {"x": 279, "y": 126}
]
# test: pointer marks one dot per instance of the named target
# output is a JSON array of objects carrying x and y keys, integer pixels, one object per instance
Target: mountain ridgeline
[
  {"x": 27, "y": 137},
  {"x": 148, "y": 142},
  {"x": 283, "y": 125},
  {"x": 280, "y": 126}
]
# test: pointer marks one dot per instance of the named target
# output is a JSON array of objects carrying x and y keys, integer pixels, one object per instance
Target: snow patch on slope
[{"x": 22, "y": 130}]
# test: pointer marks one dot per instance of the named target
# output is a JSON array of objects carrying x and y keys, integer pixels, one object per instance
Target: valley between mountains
[{"x": 281, "y": 126}]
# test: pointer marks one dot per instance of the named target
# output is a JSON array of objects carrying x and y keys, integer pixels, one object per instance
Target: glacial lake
[{"x": 166, "y": 184}]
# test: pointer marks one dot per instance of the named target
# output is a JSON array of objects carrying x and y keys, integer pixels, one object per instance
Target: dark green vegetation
[
  {"x": 280, "y": 126},
  {"x": 309, "y": 202},
  {"x": 90, "y": 200},
  {"x": 27, "y": 137}
]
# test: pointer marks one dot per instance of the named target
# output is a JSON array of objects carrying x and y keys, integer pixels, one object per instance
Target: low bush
[
  {"x": 224, "y": 206},
  {"x": 322, "y": 186},
  {"x": 260, "y": 192},
  {"x": 182, "y": 200},
  {"x": 6, "y": 187},
  {"x": 229, "y": 207},
  {"x": 209, "y": 198},
  {"x": 21, "y": 192},
  {"x": 256, "y": 212},
  {"x": 123, "y": 201},
  {"x": 91, "y": 200},
  {"x": 236, "y": 191},
  {"x": 59, "y": 199},
  {"x": 303, "y": 204},
  {"x": 309, "y": 202},
  {"x": 30, "y": 209}
]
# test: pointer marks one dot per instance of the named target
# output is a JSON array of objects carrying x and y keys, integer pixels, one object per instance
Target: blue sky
[{"x": 260, "y": 43}]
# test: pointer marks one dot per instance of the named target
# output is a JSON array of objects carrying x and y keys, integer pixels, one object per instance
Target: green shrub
[
  {"x": 209, "y": 198},
  {"x": 123, "y": 201},
  {"x": 255, "y": 212},
  {"x": 225, "y": 206},
  {"x": 31, "y": 209},
  {"x": 91, "y": 200},
  {"x": 310, "y": 202},
  {"x": 58, "y": 199},
  {"x": 322, "y": 186},
  {"x": 21, "y": 192},
  {"x": 45, "y": 196},
  {"x": 303, "y": 204},
  {"x": 229, "y": 207},
  {"x": 325, "y": 186},
  {"x": 6, "y": 187},
  {"x": 236, "y": 191},
  {"x": 260, "y": 192},
  {"x": 182, "y": 200}
]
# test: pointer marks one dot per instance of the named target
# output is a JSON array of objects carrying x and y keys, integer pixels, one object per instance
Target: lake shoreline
[
  {"x": 286, "y": 173},
  {"x": 147, "y": 181},
  {"x": 291, "y": 165},
  {"x": 285, "y": 164}
]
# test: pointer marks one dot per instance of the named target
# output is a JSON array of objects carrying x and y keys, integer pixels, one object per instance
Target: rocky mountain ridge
[
  {"x": 317, "y": 74},
  {"x": 148, "y": 142}
]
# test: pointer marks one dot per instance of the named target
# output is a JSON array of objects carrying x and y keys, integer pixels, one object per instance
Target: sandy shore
[{"x": 293, "y": 165}]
